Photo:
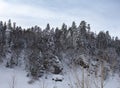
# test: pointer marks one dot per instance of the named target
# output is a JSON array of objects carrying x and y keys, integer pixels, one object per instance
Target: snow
[
  {"x": 113, "y": 82},
  {"x": 71, "y": 77}
]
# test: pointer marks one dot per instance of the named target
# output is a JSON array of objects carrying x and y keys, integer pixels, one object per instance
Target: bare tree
[{"x": 13, "y": 82}]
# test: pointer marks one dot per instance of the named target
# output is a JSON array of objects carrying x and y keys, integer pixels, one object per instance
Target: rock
[{"x": 57, "y": 78}]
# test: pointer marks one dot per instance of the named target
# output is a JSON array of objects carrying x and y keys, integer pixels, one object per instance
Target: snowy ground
[{"x": 18, "y": 77}]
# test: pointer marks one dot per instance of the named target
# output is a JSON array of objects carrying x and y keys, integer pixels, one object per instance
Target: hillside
[{"x": 70, "y": 57}]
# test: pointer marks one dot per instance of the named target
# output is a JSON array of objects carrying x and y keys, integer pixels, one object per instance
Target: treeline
[{"x": 41, "y": 50}]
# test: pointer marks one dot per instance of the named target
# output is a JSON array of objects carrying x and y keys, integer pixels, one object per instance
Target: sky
[{"x": 102, "y": 15}]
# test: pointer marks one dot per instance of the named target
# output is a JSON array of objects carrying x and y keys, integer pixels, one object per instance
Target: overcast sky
[{"x": 100, "y": 14}]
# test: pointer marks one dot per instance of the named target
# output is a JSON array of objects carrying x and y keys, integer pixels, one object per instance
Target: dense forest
[{"x": 43, "y": 50}]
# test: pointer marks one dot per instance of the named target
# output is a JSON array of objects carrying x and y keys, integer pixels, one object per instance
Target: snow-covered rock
[{"x": 58, "y": 78}]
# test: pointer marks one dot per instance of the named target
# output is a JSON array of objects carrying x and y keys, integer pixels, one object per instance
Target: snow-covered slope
[{"x": 71, "y": 78}]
